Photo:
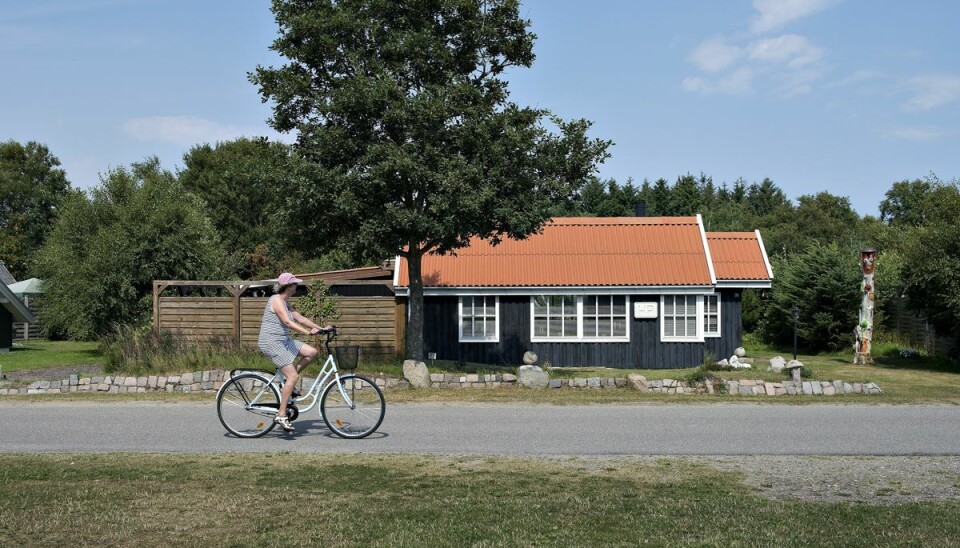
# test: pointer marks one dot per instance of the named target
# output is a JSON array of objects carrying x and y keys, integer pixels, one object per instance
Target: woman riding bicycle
[{"x": 275, "y": 341}]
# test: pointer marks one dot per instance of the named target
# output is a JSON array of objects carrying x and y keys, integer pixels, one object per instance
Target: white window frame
[
  {"x": 699, "y": 320},
  {"x": 579, "y": 336},
  {"x": 711, "y": 334},
  {"x": 495, "y": 338}
]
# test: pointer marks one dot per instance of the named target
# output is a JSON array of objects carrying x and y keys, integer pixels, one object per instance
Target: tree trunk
[{"x": 415, "y": 324}]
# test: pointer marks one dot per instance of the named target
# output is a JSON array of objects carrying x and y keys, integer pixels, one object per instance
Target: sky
[{"x": 845, "y": 96}]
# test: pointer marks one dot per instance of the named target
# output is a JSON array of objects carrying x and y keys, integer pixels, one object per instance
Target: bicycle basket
[{"x": 348, "y": 357}]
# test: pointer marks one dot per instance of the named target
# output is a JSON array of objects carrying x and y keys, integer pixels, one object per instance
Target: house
[
  {"x": 11, "y": 310},
  {"x": 650, "y": 292}
]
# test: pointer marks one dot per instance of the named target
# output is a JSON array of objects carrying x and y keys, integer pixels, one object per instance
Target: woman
[{"x": 275, "y": 341}]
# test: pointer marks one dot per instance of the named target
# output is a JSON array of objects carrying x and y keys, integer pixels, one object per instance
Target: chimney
[{"x": 640, "y": 209}]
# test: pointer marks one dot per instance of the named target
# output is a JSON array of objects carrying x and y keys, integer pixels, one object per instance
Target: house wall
[
  {"x": 643, "y": 351},
  {"x": 6, "y": 328}
]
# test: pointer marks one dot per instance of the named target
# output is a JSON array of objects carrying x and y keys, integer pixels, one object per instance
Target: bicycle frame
[{"x": 329, "y": 368}]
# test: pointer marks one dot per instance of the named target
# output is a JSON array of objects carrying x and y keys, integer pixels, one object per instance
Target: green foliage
[
  {"x": 32, "y": 189},
  {"x": 412, "y": 144},
  {"x": 318, "y": 305},
  {"x": 824, "y": 282},
  {"x": 240, "y": 184},
  {"x": 137, "y": 350},
  {"x": 99, "y": 262}
]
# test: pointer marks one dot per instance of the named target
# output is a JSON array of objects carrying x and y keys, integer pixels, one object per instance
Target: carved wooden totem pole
[{"x": 864, "y": 331}]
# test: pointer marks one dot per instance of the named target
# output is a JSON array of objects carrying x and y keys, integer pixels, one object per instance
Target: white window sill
[
  {"x": 579, "y": 340},
  {"x": 711, "y": 335},
  {"x": 680, "y": 339},
  {"x": 493, "y": 340}
]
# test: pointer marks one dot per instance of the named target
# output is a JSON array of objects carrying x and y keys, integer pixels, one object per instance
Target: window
[
  {"x": 570, "y": 318},
  {"x": 711, "y": 316},
  {"x": 681, "y": 318},
  {"x": 479, "y": 319},
  {"x": 554, "y": 316},
  {"x": 604, "y": 316}
]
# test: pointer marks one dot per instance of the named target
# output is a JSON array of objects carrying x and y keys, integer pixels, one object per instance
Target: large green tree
[
  {"x": 823, "y": 281},
  {"x": 99, "y": 262},
  {"x": 402, "y": 111},
  {"x": 241, "y": 183},
  {"x": 32, "y": 187}
]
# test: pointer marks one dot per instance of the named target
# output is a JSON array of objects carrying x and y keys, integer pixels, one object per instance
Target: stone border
[
  {"x": 198, "y": 381},
  {"x": 211, "y": 381}
]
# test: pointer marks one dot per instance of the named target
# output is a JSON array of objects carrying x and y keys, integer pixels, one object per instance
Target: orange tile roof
[
  {"x": 577, "y": 252},
  {"x": 738, "y": 256}
]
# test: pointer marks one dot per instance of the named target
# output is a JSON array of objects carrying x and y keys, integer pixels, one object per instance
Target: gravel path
[
  {"x": 53, "y": 373},
  {"x": 875, "y": 480}
]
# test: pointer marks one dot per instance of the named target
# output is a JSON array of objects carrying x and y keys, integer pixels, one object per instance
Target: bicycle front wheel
[
  {"x": 353, "y": 406},
  {"x": 247, "y": 404}
]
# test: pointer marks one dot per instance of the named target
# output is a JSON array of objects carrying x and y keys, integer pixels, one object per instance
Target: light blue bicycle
[{"x": 351, "y": 406}]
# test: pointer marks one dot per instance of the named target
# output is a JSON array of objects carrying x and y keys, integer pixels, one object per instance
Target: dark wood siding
[
  {"x": 643, "y": 351},
  {"x": 6, "y": 328}
]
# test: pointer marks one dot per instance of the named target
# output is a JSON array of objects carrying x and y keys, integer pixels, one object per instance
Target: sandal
[{"x": 284, "y": 423}]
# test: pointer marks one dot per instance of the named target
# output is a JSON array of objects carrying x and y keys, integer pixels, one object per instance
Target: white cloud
[
  {"x": 790, "y": 49},
  {"x": 187, "y": 130},
  {"x": 914, "y": 134},
  {"x": 774, "y": 14},
  {"x": 739, "y": 82},
  {"x": 932, "y": 91},
  {"x": 856, "y": 77},
  {"x": 715, "y": 54}
]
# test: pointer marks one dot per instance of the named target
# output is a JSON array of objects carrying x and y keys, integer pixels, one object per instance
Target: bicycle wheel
[
  {"x": 242, "y": 416},
  {"x": 357, "y": 416}
]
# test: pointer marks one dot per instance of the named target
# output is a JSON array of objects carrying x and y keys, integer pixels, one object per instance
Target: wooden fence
[
  {"x": 28, "y": 331},
  {"x": 376, "y": 324}
]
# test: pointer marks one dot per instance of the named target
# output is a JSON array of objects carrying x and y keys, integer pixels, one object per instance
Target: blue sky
[{"x": 840, "y": 95}]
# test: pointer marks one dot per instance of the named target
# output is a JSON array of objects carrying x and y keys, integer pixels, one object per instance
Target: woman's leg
[
  {"x": 291, "y": 377},
  {"x": 307, "y": 354}
]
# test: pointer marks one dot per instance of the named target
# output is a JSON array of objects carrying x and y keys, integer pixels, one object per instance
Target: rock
[
  {"x": 532, "y": 376},
  {"x": 829, "y": 390},
  {"x": 529, "y": 358},
  {"x": 777, "y": 364},
  {"x": 416, "y": 373},
  {"x": 723, "y": 363},
  {"x": 593, "y": 382},
  {"x": 436, "y": 377},
  {"x": 637, "y": 382},
  {"x": 734, "y": 361},
  {"x": 555, "y": 383},
  {"x": 473, "y": 378},
  {"x": 509, "y": 377},
  {"x": 740, "y": 352},
  {"x": 74, "y": 379},
  {"x": 817, "y": 388},
  {"x": 746, "y": 390},
  {"x": 794, "y": 364},
  {"x": 769, "y": 389},
  {"x": 808, "y": 388}
]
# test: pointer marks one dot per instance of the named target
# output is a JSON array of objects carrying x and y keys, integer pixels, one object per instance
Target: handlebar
[{"x": 331, "y": 334}]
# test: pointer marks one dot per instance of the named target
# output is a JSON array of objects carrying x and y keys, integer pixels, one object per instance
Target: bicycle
[{"x": 352, "y": 406}]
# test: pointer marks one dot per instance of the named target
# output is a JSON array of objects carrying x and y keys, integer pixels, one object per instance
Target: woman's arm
[
  {"x": 304, "y": 320},
  {"x": 281, "y": 311}
]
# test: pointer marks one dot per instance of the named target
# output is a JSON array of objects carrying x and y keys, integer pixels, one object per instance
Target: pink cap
[{"x": 287, "y": 278}]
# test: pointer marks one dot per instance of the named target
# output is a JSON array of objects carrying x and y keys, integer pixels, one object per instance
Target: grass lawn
[
  {"x": 41, "y": 354},
  {"x": 389, "y": 500}
]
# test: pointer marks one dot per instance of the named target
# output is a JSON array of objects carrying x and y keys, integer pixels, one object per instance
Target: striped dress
[{"x": 275, "y": 341}]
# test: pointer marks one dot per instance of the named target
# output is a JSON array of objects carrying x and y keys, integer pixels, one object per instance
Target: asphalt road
[{"x": 503, "y": 430}]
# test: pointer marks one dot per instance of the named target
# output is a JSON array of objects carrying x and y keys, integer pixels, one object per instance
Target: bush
[{"x": 133, "y": 350}]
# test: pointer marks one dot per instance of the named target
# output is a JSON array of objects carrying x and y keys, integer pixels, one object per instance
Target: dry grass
[{"x": 271, "y": 500}]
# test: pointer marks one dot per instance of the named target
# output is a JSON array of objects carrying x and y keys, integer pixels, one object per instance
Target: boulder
[
  {"x": 637, "y": 382},
  {"x": 737, "y": 364},
  {"x": 740, "y": 352},
  {"x": 723, "y": 363},
  {"x": 532, "y": 376},
  {"x": 529, "y": 358},
  {"x": 777, "y": 363},
  {"x": 416, "y": 373}
]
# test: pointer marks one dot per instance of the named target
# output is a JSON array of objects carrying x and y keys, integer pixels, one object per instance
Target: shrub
[{"x": 138, "y": 350}]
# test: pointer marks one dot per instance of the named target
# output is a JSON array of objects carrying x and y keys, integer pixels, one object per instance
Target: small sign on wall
[{"x": 645, "y": 311}]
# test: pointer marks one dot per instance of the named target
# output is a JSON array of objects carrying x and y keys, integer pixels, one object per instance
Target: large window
[
  {"x": 604, "y": 316},
  {"x": 479, "y": 319},
  {"x": 681, "y": 319},
  {"x": 554, "y": 316},
  {"x": 569, "y": 318},
  {"x": 711, "y": 316}
]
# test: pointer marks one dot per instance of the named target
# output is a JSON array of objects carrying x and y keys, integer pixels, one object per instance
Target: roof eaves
[
  {"x": 10, "y": 301},
  {"x": 763, "y": 250}
]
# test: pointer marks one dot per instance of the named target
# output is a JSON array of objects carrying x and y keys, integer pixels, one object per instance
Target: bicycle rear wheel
[
  {"x": 359, "y": 414},
  {"x": 239, "y": 413}
]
